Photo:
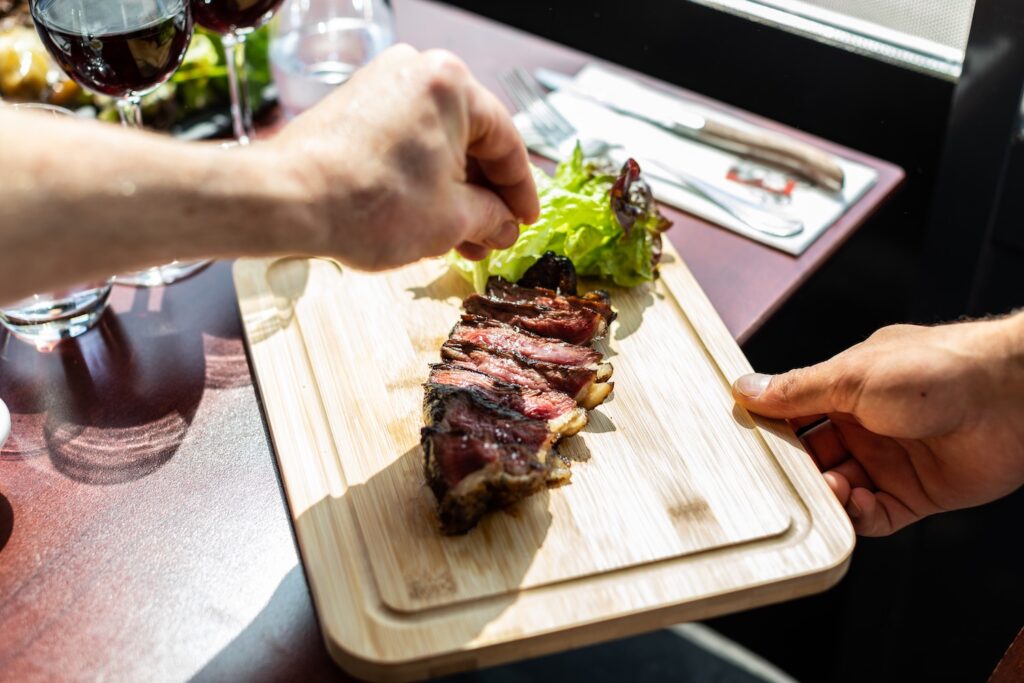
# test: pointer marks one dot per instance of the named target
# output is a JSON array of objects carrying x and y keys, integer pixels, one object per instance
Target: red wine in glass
[
  {"x": 110, "y": 49},
  {"x": 122, "y": 48},
  {"x": 226, "y": 16},
  {"x": 234, "y": 20}
]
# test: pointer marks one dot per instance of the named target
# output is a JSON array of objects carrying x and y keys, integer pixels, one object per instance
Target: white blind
[
  {"x": 946, "y": 22},
  {"x": 927, "y": 35}
]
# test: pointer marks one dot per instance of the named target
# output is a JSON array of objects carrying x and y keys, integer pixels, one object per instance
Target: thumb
[
  {"x": 490, "y": 222},
  {"x": 797, "y": 393}
]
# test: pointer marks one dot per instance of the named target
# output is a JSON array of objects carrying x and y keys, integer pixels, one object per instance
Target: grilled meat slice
[
  {"x": 561, "y": 413},
  {"x": 489, "y": 485},
  {"x": 551, "y": 272},
  {"x": 495, "y": 334},
  {"x": 467, "y": 411},
  {"x": 597, "y": 301},
  {"x": 479, "y": 455},
  {"x": 585, "y": 385},
  {"x": 574, "y": 325}
]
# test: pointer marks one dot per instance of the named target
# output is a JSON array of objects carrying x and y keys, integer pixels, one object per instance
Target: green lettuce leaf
[{"x": 581, "y": 219}]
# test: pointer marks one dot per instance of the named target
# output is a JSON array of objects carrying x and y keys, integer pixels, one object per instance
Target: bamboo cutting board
[{"x": 681, "y": 506}]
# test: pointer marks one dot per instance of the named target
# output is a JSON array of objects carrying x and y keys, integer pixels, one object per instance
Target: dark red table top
[{"x": 143, "y": 530}]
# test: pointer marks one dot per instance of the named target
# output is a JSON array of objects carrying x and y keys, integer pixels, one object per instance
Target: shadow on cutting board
[
  {"x": 413, "y": 571},
  {"x": 398, "y": 511}
]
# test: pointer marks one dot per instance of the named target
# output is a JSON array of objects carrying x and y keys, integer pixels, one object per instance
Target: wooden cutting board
[{"x": 681, "y": 506}]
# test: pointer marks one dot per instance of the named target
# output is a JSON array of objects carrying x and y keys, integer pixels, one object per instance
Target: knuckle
[
  {"x": 446, "y": 62},
  {"x": 398, "y": 52},
  {"x": 445, "y": 72},
  {"x": 403, "y": 49}
]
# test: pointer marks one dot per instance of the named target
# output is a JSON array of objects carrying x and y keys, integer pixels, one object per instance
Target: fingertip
[
  {"x": 521, "y": 199},
  {"x": 532, "y": 209},
  {"x": 839, "y": 485},
  {"x": 863, "y": 512},
  {"x": 751, "y": 386},
  {"x": 862, "y": 501},
  {"x": 800, "y": 392}
]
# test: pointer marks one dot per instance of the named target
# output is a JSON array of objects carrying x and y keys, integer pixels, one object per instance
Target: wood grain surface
[
  {"x": 156, "y": 543},
  {"x": 680, "y": 505}
]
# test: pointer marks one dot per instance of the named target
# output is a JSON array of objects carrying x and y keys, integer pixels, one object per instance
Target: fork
[{"x": 557, "y": 132}]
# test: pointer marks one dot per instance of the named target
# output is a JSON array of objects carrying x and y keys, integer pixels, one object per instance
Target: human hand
[
  {"x": 921, "y": 419},
  {"x": 411, "y": 158}
]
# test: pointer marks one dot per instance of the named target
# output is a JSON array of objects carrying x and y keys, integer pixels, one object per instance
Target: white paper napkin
[{"x": 817, "y": 208}]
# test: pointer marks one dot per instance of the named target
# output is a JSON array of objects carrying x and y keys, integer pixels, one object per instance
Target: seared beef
[
  {"x": 497, "y": 335},
  {"x": 574, "y": 325},
  {"x": 467, "y": 411},
  {"x": 488, "y": 483},
  {"x": 597, "y": 301},
  {"x": 479, "y": 455},
  {"x": 584, "y": 385},
  {"x": 563, "y": 416}
]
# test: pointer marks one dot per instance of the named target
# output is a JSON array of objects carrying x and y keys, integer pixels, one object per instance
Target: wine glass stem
[
  {"x": 130, "y": 110},
  {"x": 238, "y": 82}
]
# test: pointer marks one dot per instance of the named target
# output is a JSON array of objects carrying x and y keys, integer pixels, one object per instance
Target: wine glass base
[
  {"x": 162, "y": 275},
  {"x": 45, "y": 334}
]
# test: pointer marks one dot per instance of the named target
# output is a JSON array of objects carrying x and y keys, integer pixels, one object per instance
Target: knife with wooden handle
[{"x": 791, "y": 155}]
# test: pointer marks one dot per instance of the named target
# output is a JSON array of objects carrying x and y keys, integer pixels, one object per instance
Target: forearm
[{"x": 80, "y": 200}]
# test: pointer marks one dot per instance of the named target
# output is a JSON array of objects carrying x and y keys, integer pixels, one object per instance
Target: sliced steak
[
  {"x": 597, "y": 301},
  {"x": 495, "y": 334},
  {"x": 479, "y": 455},
  {"x": 584, "y": 385},
  {"x": 563, "y": 416},
  {"x": 574, "y": 325}
]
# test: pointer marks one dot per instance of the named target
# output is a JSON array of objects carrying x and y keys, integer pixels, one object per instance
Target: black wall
[{"x": 940, "y": 601}]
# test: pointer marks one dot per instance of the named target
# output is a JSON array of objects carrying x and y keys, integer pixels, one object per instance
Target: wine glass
[
  {"x": 45, "y": 318},
  {"x": 234, "y": 20},
  {"x": 124, "y": 49},
  {"x": 316, "y": 45}
]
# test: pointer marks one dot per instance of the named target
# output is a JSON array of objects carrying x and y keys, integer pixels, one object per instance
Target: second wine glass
[{"x": 234, "y": 20}]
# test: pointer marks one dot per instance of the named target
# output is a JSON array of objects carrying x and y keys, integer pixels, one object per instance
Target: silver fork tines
[{"x": 554, "y": 128}]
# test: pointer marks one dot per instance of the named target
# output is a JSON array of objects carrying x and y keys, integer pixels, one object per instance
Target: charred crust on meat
[{"x": 551, "y": 272}]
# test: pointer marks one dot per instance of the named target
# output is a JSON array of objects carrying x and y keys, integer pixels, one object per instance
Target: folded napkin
[{"x": 774, "y": 190}]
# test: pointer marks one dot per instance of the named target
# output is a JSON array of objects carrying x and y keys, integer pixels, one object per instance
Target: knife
[{"x": 794, "y": 156}]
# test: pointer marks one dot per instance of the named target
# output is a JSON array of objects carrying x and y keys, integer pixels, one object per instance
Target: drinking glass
[
  {"x": 51, "y": 316},
  {"x": 234, "y": 20},
  {"x": 124, "y": 49},
  {"x": 317, "y": 45}
]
